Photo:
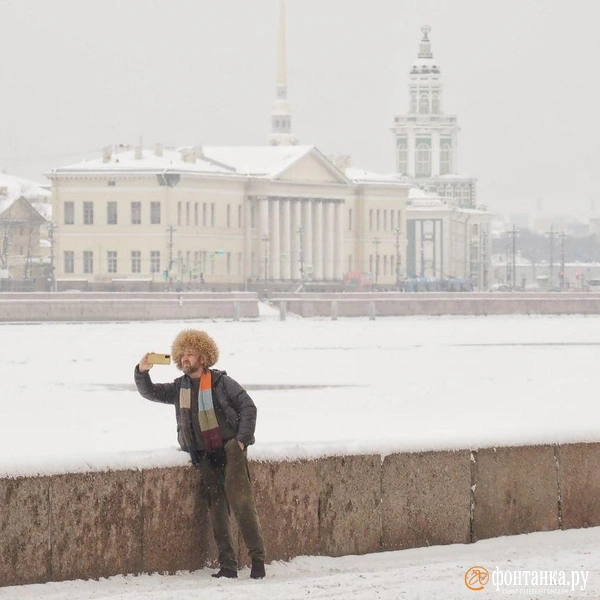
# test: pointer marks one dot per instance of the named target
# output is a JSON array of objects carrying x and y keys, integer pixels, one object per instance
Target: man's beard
[{"x": 187, "y": 368}]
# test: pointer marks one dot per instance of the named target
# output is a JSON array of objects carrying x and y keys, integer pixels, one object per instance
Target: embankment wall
[{"x": 97, "y": 524}]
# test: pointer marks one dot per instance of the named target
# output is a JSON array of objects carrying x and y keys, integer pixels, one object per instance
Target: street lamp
[
  {"x": 397, "y": 231},
  {"x": 376, "y": 241},
  {"x": 265, "y": 239},
  {"x": 300, "y": 232}
]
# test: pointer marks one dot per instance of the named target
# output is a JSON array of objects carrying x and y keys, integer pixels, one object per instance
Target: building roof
[
  {"x": 12, "y": 188},
  {"x": 256, "y": 161}
]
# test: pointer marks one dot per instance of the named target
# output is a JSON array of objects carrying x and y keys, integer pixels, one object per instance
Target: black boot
[
  {"x": 258, "y": 569},
  {"x": 229, "y": 573}
]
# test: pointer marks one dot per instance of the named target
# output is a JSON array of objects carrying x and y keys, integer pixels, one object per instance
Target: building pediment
[{"x": 312, "y": 167}]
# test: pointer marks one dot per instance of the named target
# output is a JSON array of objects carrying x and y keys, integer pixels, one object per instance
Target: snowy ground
[
  {"x": 435, "y": 573},
  {"x": 67, "y": 403}
]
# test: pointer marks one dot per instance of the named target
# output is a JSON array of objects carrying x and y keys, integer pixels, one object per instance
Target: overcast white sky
[{"x": 521, "y": 75}]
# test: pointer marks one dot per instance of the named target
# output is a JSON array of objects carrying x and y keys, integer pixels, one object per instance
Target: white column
[
  {"x": 296, "y": 218},
  {"x": 318, "y": 239},
  {"x": 263, "y": 232},
  {"x": 307, "y": 241},
  {"x": 338, "y": 248},
  {"x": 328, "y": 239},
  {"x": 286, "y": 238},
  {"x": 275, "y": 248}
]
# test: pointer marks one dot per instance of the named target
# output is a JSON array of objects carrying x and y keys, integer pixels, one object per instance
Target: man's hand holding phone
[{"x": 153, "y": 358}]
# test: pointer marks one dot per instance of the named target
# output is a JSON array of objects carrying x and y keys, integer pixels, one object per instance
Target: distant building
[
  {"x": 25, "y": 212},
  {"x": 225, "y": 217},
  {"x": 427, "y": 138},
  {"x": 448, "y": 235}
]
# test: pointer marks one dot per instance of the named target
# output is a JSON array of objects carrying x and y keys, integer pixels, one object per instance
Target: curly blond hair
[{"x": 199, "y": 341}]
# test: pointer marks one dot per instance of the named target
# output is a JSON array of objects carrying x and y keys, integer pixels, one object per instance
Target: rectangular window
[
  {"x": 111, "y": 213},
  {"x": 370, "y": 219},
  {"x": 136, "y": 213},
  {"x": 204, "y": 214},
  {"x": 187, "y": 213},
  {"x": 111, "y": 261},
  {"x": 69, "y": 257},
  {"x": 88, "y": 213},
  {"x": 350, "y": 220},
  {"x": 154, "y": 213},
  {"x": 154, "y": 261},
  {"x": 385, "y": 220},
  {"x": 69, "y": 208},
  {"x": 252, "y": 217},
  {"x": 212, "y": 214},
  {"x": 229, "y": 263},
  {"x": 136, "y": 261},
  {"x": 392, "y": 220},
  {"x": 179, "y": 213},
  {"x": 196, "y": 214},
  {"x": 240, "y": 215},
  {"x": 378, "y": 219},
  {"x": 88, "y": 261},
  {"x": 229, "y": 215}
]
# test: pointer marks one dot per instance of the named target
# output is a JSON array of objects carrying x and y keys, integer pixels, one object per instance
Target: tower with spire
[
  {"x": 281, "y": 117},
  {"x": 426, "y": 138}
]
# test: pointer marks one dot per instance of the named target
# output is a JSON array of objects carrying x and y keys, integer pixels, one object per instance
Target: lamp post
[
  {"x": 551, "y": 235},
  {"x": 562, "y": 237},
  {"x": 376, "y": 241},
  {"x": 300, "y": 232},
  {"x": 397, "y": 231},
  {"x": 265, "y": 239},
  {"x": 514, "y": 232}
]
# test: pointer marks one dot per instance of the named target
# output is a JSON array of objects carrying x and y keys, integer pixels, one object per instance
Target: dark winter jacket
[{"x": 232, "y": 403}]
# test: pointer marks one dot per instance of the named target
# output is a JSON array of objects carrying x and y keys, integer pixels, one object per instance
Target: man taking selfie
[{"x": 216, "y": 419}]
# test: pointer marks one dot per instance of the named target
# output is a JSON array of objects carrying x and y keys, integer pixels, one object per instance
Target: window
[
  {"x": 350, "y": 220},
  {"x": 212, "y": 214},
  {"x": 423, "y": 160},
  {"x": 195, "y": 214},
  {"x": 69, "y": 208},
  {"x": 402, "y": 158},
  {"x": 179, "y": 213},
  {"x": 229, "y": 215},
  {"x": 413, "y": 102},
  {"x": 69, "y": 259},
  {"x": 111, "y": 261},
  {"x": 445, "y": 159},
  {"x": 370, "y": 219},
  {"x": 155, "y": 213},
  {"x": 111, "y": 183},
  {"x": 474, "y": 229},
  {"x": 187, "y": 213},
  {"x": 240, "y": 215},
  {"x": 424, "y": 104},
  {"x": 385, "y": 220},
  {"x": 435, "y": 103},
  {"x": 392, "y": 220},
  {"x": 252, "y": 216},
  {"x": 111, "y": 214},
  {"x": 229, "y": 263},
  {"x": 88, "y": 261},
  {"x": 136, "y": 261},
  {"x": 136, "y": 213},
  {"x": 88, "y": 213},
  {"x": 204, "y": 213}
]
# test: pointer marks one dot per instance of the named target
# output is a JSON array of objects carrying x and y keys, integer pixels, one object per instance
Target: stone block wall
[{"x": 90, "y": 525}]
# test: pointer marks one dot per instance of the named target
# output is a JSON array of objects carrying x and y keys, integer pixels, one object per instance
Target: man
[{"x": 216, "y": 419}]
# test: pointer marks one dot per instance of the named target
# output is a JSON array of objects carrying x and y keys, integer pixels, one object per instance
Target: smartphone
[{"x": 159, "y": 359}]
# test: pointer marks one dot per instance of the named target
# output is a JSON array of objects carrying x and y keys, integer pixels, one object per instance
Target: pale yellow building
[{"x": 225, "y": 217}]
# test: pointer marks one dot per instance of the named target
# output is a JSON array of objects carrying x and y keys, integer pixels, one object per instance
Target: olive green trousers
[{"x": 229, "y": 489}]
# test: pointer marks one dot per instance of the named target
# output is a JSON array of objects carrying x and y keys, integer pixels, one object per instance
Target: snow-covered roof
[
  {"x": 124, "y": 160},
  {"x": 258, "y": 161},
  {"x": 360, "y": 175},
  {"x": 12, "y": 188}
]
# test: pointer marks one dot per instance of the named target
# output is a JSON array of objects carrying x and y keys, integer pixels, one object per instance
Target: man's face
[{"x": 191, "y": 362}]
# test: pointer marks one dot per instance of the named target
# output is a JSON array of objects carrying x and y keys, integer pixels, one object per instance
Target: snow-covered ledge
[{"x": 96, "y": 523}]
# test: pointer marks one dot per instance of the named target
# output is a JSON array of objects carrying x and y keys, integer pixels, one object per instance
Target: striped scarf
[{"x": 207, "y": 419}]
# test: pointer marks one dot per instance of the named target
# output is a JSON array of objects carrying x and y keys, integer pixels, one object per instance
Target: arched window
[
  {"x": 423, "y": 160},
  {"x": 435, "y": 103},
  {"x": 445, "y": 159},
  {"x": 424, "y": 104},
  {"x": 449, "y": 191},
  {"x": 413, "y": 102},
  {"x": 402, "y": 158},
  {"x": 466, "y": 195}
]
